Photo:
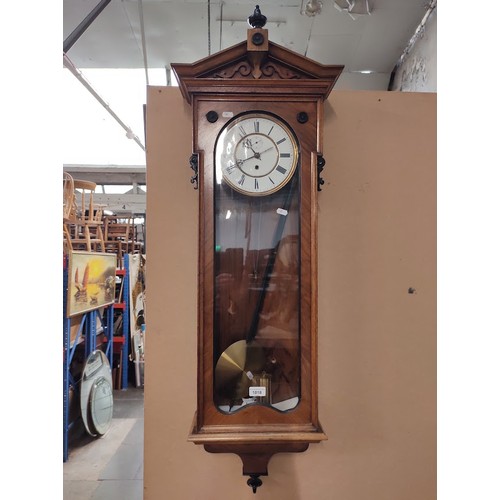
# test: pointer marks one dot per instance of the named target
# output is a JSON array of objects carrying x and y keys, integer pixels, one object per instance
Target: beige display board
[{"x": 377, "y": 310}]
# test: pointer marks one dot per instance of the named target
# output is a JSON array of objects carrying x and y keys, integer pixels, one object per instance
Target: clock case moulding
[{"x": 257, "y": 75}]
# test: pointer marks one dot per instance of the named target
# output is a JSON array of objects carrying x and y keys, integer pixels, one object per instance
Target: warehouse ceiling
[
  {"x": 129, "y": 44},
  {"x": 366, "y": 36}
]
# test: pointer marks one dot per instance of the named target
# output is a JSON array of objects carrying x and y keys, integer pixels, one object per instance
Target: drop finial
[
  {"x": 254, "y": 482},
  {"x": 257, "y": 19}
]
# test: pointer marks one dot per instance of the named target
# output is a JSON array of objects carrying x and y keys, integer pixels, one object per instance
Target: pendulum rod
[{"x": 278, "y": 233}]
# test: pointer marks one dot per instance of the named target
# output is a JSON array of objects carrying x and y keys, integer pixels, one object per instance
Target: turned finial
[{"x": 257, "y": 19}]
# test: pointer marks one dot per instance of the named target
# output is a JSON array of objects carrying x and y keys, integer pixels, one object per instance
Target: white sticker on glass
[{"x": 256, "y": 391}]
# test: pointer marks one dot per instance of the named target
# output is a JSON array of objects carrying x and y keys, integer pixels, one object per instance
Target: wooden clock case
[{"x": 257, "y": 75}]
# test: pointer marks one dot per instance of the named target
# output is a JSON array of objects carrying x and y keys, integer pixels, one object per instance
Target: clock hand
[
  {"x": 239, "y": 162},
  {"x": 259, "y": 153},
  {"x": 265, "y": 151},
  {"x": 255, "y": 155},
  {"x": 247, "y": 143}
]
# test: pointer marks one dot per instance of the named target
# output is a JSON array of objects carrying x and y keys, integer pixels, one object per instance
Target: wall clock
[{"x": 257, "y": 162}]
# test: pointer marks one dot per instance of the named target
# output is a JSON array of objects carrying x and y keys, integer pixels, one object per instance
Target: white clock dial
[{"x": 256, "y": 154}]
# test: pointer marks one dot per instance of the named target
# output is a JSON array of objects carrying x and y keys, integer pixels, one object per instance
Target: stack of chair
[
  {"x": 117, "y": 235},
  {"x": 82, "y": 218}
]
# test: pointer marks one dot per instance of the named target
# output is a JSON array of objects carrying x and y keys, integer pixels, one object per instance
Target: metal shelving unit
[
  {"x": 124, "y": 306},
  {"x": 87, "y": 334}
]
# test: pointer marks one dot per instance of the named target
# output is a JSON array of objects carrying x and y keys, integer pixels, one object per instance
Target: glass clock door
[{"x": 256, "y": 300}]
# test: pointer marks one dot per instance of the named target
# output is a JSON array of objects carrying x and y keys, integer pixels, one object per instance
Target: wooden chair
[
  {"x": 136, "y": 245},
  {"x": 69, "y": 210},
  {"x": 117, "y": 238},
  {"x": 82, "y": 218}
]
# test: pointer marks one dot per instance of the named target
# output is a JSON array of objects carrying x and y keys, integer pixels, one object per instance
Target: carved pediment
[
  {"x": 250, "y": 67},
  {"x": 268, "y": 69}
]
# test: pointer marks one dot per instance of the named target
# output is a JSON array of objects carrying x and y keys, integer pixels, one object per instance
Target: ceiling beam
[
  {"x": 80, "y": 29},
  {"x": 134, "y": 203},
  {"x": 108, "y": 175}
]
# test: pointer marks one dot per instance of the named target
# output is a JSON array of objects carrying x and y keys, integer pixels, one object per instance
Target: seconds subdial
[{"x": 256, "y": 155}]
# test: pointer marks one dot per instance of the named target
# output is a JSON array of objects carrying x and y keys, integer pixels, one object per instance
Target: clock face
[{"x": 256, "y": 154}]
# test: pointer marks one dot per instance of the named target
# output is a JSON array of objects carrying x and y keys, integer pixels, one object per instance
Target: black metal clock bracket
[
  {"x": 320, "y": 165},
  {"x": 193, "y": 163}
]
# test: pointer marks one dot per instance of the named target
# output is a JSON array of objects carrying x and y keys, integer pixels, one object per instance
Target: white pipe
[
  {"x": 208, "y": 29},
  {"x": 78, "y": 74},
  {"x": 143, "y": 38},
  {"x": 418, "y": 32},
  {"x": 220, "y": 25}
]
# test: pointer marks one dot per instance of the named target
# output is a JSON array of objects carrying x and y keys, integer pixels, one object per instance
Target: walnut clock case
[{"x": 257, "y": 142}]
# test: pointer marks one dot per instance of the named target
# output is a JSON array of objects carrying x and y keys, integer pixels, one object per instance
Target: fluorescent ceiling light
[
  {"x": 353, "y": 7},
  {"x": 312, "y": 8}
]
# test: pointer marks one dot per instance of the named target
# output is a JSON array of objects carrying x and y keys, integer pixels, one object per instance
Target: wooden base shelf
[{"x": 256, "y": 449}]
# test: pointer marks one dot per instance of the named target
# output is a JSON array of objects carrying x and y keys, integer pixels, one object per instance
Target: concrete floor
[{"x": 109, "y": 467}]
